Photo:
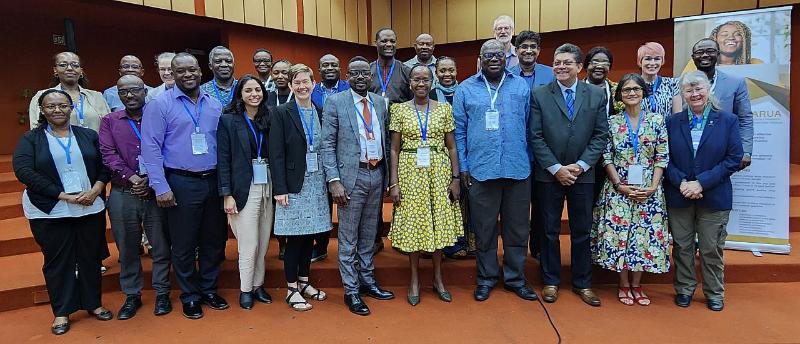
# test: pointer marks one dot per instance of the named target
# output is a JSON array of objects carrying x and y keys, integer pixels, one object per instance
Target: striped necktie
[{"x": 570, "y": 100}]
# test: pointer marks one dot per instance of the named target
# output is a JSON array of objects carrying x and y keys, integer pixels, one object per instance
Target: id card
[
  {"x": 199, "y": 144},
  {"x": 373, "y": 150},
  {"x": 260, "y": 171},
  {"x": 312, "y": 164},
  {"x": 696, "y": 136},
  {"x": 424, "y": 157},
  {"x": 492, "y": 119},
  {"x": 142, "y": 169},
  {"x": 635, "y": 174},
  {"x": 72, "y": 182}
]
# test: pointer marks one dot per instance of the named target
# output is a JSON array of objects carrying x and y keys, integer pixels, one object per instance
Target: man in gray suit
[
  {"x": 354, "y": 146},
  {"x": 730, "y": 90},
  {"x": 568, "y": 134}
]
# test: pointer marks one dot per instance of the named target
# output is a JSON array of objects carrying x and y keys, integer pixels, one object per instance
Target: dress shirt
[
  {"x": 398, "y": 89},
  {"x": 224, "y": 94},
  {"x": 157, "y": 91},
  {"x": 431, "y": 65},
  {"x": 553, "y": 169},
  {"x": 494, "y": 154},
  {"x": 321, "y": 93},
  {"x": 115, "y": 104},
  {"x": 166, "y": 135},
  {"x": 362, "y": 133},
  {"x": 542, "y": 75},
  {"x": 120, "y": 147},
  {"x": 94, "y": 108}
]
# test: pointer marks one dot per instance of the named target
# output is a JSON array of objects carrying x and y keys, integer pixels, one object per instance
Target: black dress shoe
[
  {"x": 375, "y": 292},
  {"x": 129, "y": 308},
  {"x": 246, "y": 299},
  {"x": 715, "y": 305},
  {"x": 356, "y": 305},
  {"x": 262, "y": 295},
  {"x": 683, "y": 300},
  {"x": 105, "y": 315},
  {"x": 523, "y": 292},
  {"x": 60, "y": 329},
  {"x": 163, "y": 305},
  {"x": 215, "y": 301},
  {"x": 482, "y": 292},
  {"x": 192, "y": 310}
]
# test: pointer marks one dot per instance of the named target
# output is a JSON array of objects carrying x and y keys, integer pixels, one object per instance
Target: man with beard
[
  {"x": 262, "y": 60},
  {"x": 424, "y": 46},
  {"x": 128, "y": 65},
  {"x": 220, "y": 61},
  {"x": 179, "y": 148},
  {"x": 730, "y": 91},
  {"x": 331, "y": 82},
  {"x": 503, "y": 29}
]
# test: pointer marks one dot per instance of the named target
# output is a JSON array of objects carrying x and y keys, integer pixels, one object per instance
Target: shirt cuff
[
  {"x": 160, "y": 188},
  {"x": 747, "y": 155},
  {"x": 583, "y": 165},
  {"x": 334, "y": 179},
  {"x": 553, "y": 169}
]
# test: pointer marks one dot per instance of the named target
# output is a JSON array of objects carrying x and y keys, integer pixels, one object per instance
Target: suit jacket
[
  {"x": 234, "y": 157},
  {"x": 731, "y": 92},
  {"x": 341, "y": 149},
  {"x": 287, "y": 149},
  {"x": 34, "y": 165},
  {"x": 717, "y": 158},
  {"x": 555, "y": 140}
]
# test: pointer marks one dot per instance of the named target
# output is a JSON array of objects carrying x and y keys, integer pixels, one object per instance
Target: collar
[
  {"x": 574, "y": 87},
  {"x": 357, "y": 97},
  {"x": 481, "y": 78},
  {"x": 335, "y": 87},
  {"x": 518, "y": 68},
  {"x": 415, "y": 60},
  {"x": 177, "y": 93},
  {"x": 80, "y": 89},
  {"x": 511, "y": 51},
  {"x": 221, "y": 88}
]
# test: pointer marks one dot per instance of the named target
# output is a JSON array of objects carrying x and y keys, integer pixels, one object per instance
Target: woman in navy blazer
[{"x": 705, "y": 150}]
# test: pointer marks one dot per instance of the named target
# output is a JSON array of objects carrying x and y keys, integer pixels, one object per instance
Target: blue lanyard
[
  {"x": 308, "y": 126},
  {"x": 634, "y": 135},
  {"x": 230, "y": 95},
  {"x": 63, "y": 146},
  {"x": 135, "y": 129},
  {"x": 79, "y": 108},
  {"x": 361, "y": 115},
  {"x": 423, "y": 130},
  {"x": 326, "y": 93},
  {"x": 696, "y": 122},
  {"x": 189, "y": 113},
  {"x": 259, "y": 138},
  {"x": 652, "y": 97},
  {"x": 384, "y": 83}
]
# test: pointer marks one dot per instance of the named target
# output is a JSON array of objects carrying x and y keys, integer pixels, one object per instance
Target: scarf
[{"x": 442, "y": 90}]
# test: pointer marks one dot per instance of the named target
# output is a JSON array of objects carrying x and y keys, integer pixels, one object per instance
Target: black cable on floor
[{"x": 552, "y": 324}]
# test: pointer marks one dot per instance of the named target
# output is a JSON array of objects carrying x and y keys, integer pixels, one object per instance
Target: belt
[
  {"x": 367, "y": 165},
  {"x": 202, "y": 174}
]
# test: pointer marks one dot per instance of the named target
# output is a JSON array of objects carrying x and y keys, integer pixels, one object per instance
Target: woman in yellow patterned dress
[{"x": 423, "y": 180}]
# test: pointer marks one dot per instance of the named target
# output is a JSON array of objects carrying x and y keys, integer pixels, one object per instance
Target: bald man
[
  {"x": 424, "y": 46},
  {"x": 330, "y": 80},
  {"x": 128, "y": 65}
]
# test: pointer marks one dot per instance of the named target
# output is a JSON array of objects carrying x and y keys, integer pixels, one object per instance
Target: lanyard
[
  {"x": 66, "y": 147},
  {"x": 189, "y": 113},
  {"x": 371, "y": 113},
  {"x": 652, "y": 97},
  {"x": 259, "y": 138},
  {"x": 308, "y": 126},
  {"x": 230, "y": 95},
  {"x": 384, "y": 83},
  {"x": 714, "y": 82},
  {"x": 423, "y": 129},
  {"x": 608, "y": 95},
  {"x": 634, "y": 135},
  {"x": 135, "y": 129},
  {"x": 493, "y": 98},
  {"x": 278, "y": 98},
  {"x": 79, "y": 109},
  {"x": 699, "y": 122}
]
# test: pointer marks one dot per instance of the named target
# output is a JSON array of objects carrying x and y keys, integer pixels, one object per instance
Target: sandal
[
  {"x": 640, "y": 297},
  {"x": 318, "y": 296},
  {"x": 628, "y": 298},
  {"x": 294, "y": 304}
]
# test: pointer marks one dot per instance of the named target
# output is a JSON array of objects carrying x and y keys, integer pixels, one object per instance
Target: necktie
[
  {"x": 368, "y": 121},
  {"x": 570, "y": 100}
]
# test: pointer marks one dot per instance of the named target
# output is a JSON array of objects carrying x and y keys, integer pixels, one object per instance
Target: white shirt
[{"x": 376, "y": 127}]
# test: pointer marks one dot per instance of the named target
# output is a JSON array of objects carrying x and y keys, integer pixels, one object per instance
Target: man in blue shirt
[
  {"x": 221, "y": 63},
  {"x": 491, "y": 113},
  {"x": 128, "y": 65},
  {"x": 331, "y": 83}
]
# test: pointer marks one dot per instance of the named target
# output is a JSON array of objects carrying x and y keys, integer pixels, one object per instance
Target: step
[
  {"x": 5, "y": 163},
  {"x": 10, "y": 205},
  {"x": 22, "y": 281},
  {"x": 9, "y": 183}
]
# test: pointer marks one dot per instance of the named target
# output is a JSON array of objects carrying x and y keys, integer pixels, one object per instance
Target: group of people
[{"x": 637, "y": 162}]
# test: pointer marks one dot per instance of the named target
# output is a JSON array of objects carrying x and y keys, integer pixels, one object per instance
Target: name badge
[
  {"x": 696, "y": 136},
  {"x": 424, "y": 157},
  {"x": 260, "y": 171},
  {"x": 72, "y": 182},
  {"x": 142, "y": 169},
  {"x": 635, "y": 174},
  {"x": 312, "y": 163},
  {"x": 492, "y": 119},
  {"x": 373, "y": 149},
  {"x": 199, "y": 144}
]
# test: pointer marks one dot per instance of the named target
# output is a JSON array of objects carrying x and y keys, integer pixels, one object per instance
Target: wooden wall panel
[
  {"x": 716, "y": 6},
  {"x": 438, "y": 14},
  {"x": 183, "y": 6},
  {"x": 214, "y": 8},
  {"x": 461, "y": 19},
  {"x": 620, "y": 11},
  {"x": 310, "y": 17},
  {"x": 324, "y": 18},
  {"x": 535, "y": 15},
  {"x": 683, "y": 8},
  {"x": 522, "y": 15},
  {"x": 768, "y": 3},
  {"x": 586, "y": 13},
  {"x": 290, "y": 15},
  {"x": 381, "y": 16},
  {"x": 163, "y": 4},
  {"x": 351, "y": 20},
  {"x": 487, "y": 12},
  {"x": 233, "y": 10},
  {"x": 363, "y": 35},
  {"x": 254, "y": 12},
  {"x": 338, "y": 20},
  {"x": 273, "y": 14},
  {"x": 401, "y": 22},
  {"x": 663, "y": 9},
  {"x": 553, "y": 16},
  {"x": 426, "y": 16},
  {"x": 645, "y": 10},
  {"x": 416, "y": 21}
]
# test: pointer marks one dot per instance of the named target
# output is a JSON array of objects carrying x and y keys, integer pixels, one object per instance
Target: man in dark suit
[{"x": 568, "y": 133}]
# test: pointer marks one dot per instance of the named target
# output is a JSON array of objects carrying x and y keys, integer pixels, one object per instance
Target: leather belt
[
  {"x": 367, "y": 165},
  {"x": 202, "y": 174}
]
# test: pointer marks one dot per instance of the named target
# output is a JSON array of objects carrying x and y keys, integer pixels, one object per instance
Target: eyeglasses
[
  {"x": 599, "y": 63},
  {"x": 497, "y": 55},
  {"x": 130, "y": 66},
  {"x": 52, "y": 107},
  {"x": 565, "y": 63},
  {"x": 260, "y": 61},
  {"x": 133, "y": 90},
  {"x": 421, "y": 81},
  {"x": 165, "y": 69},
  {"x": 356, "y": 73},
  {"x": 632, "y": 90},
  {"x": 64, "y": 65},
  {"x": 709, "y": 52},
  {"x": 528, "y": 46}
]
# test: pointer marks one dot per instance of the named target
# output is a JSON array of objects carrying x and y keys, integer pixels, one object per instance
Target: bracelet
[{"x": 390, "y": 187}]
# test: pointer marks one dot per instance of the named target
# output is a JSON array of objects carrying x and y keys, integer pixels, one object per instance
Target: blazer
[
  {"x": 555, "y": 140},
  {"x": 234, "y": 157},
  {"x": 731, "y": 92},
  {"x": 34, "y": 165},
  {"x": 341, "y": 149},
  {"x": 717, "y": 158},
  {"x": 287, "y": 148}
]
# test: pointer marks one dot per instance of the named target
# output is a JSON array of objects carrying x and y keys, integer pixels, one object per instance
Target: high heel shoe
[
  {"x": 413, "y": 300},
  {"x": 443, "y": 295}
]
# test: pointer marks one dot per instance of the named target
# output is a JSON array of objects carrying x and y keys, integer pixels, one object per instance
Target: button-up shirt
[
  {"x": 120, "y": 147},
  {"x": 222, "y": 95},
  {"x": 321, "y": 93},
  {"x": 158, "y": 90},
  {"x": 493, "y": 154},
  {"x": 166, "y": 135},
  {"x": 431, "y": 65},
  {"x": 376, "y": 126},
  {"x": 398, "y": 89},
  {"x": 94, "y": 107},
  {"x": 542, "y": 75},
  {"x": 112, "y": 97}
]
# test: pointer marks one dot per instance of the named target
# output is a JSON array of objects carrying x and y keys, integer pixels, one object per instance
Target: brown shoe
[
  {"x": 550, "y": 293},
  {"x": 588, "y": 296}
]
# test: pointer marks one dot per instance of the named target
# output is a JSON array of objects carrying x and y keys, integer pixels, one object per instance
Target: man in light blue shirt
[
  {"x": 128, "y": 65},
  {"x": 491, "y": 113}
]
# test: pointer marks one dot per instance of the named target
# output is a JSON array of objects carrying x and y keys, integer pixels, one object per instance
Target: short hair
[
  {"x": 218, "y": 49},
  {"x": 443, "y": 58},
  {"x": 569, "y": 48},
  {"x": 262, "y": 50},
  {"x": 528, "y": 35},
  {"x": 296, "y": 69},
  {"x": 502, "y": 17},
  {"x": 635, "y": 78},
  {"x": 489, "y": 43},
  {"x": 649, "y": 48},
  {"x": 182, "y": 55},
  {"x": 419, "y": 65},
  {"x": 41, "y": 123},
  {"x": 167, "y": 55},
  {"x": 385, "y": 28},
  {"x": 357, "y": 58},
  {"x": 595, "y": 51},
  {"x": 282, "y": 61},
  {"x": 716, "y": 44},
  {"x": 698, "y": 78}
]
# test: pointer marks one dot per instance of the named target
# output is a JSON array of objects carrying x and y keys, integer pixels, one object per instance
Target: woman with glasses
[
  {"x": 427, "y": 215},
  {"x": 663, "y": 97},
  {"x": 630, "y": 234},
  {"x": 598, "y": 63},
  {"x": 68, "y": 76}
]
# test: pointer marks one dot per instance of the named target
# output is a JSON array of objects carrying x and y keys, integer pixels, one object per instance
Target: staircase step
[
  {"x": 5, "y": 163},
  {"x": 10, "y": 205},
  {"x": 9, "y": 183}
]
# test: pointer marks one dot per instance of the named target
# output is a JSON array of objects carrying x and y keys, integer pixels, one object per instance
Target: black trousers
[
  {"x": 67, "y": 243},
  {"x": 197, "y": 222},
  {"x": 297, "y": 258},
  {"x": 579, "y": 206},
  {"x": 537, "y": 227}
]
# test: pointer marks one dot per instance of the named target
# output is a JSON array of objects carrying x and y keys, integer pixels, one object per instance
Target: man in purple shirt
[
  {"x": 131, "y": 205},
  {"x": 179, "y": 148}
]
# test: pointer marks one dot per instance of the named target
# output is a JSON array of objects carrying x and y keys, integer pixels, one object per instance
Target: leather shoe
[
  {"x": 715, "y": 305},
  {"x": 482, "y": 292},
  {"x": 246, "y": 299},
  {"x": 356, "y": 305},
  {"x": 550, "y": 293},
  {"x": 192, "y": 310},
  {"x": 523, "y": 292},
  {"x": 262, "y": 295},
  {"x": 588, "y": 296},
  {"x": 683, "y": 300},
  {"x": 163, "y": 305},
  {"x": 104, "y": 315},
  {"x": 215, "y": 301},
  {"x": 375, "y": 292},
  {"x": 129, "y": 308},
  {"x": 60, "y": 329}
]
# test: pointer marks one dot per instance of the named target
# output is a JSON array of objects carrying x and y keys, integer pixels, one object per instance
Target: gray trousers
[
  {"x": 357, "y": 230},
  {"x": 708, "y": 225},
  {"x": 128, "y": 215}
]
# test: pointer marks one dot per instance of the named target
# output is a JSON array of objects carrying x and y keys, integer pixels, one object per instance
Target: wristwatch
[{"x": 616, "y": 186}]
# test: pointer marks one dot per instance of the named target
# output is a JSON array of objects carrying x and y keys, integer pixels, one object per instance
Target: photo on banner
[{"x": 755, "y": 45}]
